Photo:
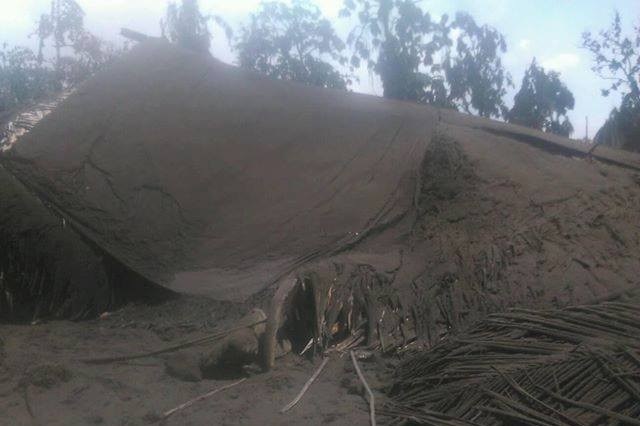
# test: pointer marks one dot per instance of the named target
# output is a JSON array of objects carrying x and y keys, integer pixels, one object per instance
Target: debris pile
[{"x": 575, "y": 366}]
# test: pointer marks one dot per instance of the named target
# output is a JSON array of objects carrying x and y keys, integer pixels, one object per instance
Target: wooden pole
[
  {"x": 305, "y": 388},
  {"x": 133, "y": 35},
  {"x": 372, "y": 407},
  {"x": 586, "y": 128}
]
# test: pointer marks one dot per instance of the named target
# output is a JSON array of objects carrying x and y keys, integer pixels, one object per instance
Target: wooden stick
[
  {"x": 515, "y": 386},
  {"x": 591, "y": 407},
  {"x": 305, "y": 388},
  {"x": 133, "y": 35},
  {"x": 189, "y": 403},
  {"x": 306, "y": 348},
  {"x": 513, "y": 415},
  {"x": 530, "y": 415},
  {"x": 347, "y": 343},
  {"x": 372, "y": 408}
]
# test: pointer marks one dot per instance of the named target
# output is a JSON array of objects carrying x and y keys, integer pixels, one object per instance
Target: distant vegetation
[
  {"x": 293, "y": 43},
  {"x": 398, "y": 41},
  {"x": 186, "y": 26},
  {"x": 451, "y": 63},
  {"x": 543, "y": 102},
  {"x": 22, "y": 78},
  {"x": 27, "y": 76},
  {"x": 616, "y": 59}
]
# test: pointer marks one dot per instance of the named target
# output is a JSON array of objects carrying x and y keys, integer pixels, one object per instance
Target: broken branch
[
  {"x": 372, "y": 409},
  {"x": 306, "y": 386},
  {"x": 189, "y": 403},
  {"x": 133, "y": 35}
]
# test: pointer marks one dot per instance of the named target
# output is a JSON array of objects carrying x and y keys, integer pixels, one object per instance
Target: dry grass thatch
[{"x": 575, "y": 366}]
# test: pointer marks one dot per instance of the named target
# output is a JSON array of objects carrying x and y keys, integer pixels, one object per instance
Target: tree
[
  {"x": 616, "y": 59},
  {"x": 622, "y": 128},
  {"x": 543, "y": 102},
  {"x": 26, "y": 77},
  {"x": 475, "y": 74},
  {"x": 186, "y": 26},
  {"x": 293, "y": 43},
  {"x": 22, "y": 79},
  {"x": 91, "y": 54},
  {"x": 64, "y": 24},
  {"x": 398, "y": 41}
]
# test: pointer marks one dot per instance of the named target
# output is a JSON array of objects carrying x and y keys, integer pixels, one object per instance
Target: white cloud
[
  {"x": 455, "y": 33},
  {"x": 524, "y": 44},
  {"x": 230, "y": 8},
  {"x": 242, "y": 8},
  {"x": 18, "y": 20},
  {"x": 13, "y": 20},
  {"x": 561, "y": 61}
]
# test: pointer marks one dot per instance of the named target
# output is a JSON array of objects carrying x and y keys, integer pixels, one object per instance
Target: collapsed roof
[{"x": 174, "y": 171}]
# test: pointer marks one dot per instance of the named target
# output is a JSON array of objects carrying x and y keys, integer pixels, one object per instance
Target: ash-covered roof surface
[{"x": 206, "y": 179}]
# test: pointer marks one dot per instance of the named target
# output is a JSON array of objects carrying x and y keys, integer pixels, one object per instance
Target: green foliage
[
  {"x": 475, "y": 74},
  {"x": 293, "y": 43},
  {"x": 616, "y": 59},
  {"x": 64, "y": 28},
  {"x": 63, "y": 25},
  {"x": 26, "y": 77},
  {"x": 400, "y": 42},
  {"x": 622, "y": 128},
  {"x": 91, "y": 54},
  {"x": 414, "y": 58},
  {"x": 186, "y": 26},
  {"x": 543, "y": 102},
  {"x": 22, "y": 79}
]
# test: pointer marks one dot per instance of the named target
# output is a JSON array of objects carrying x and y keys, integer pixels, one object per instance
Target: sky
[{"x": 549, "y": 30}]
